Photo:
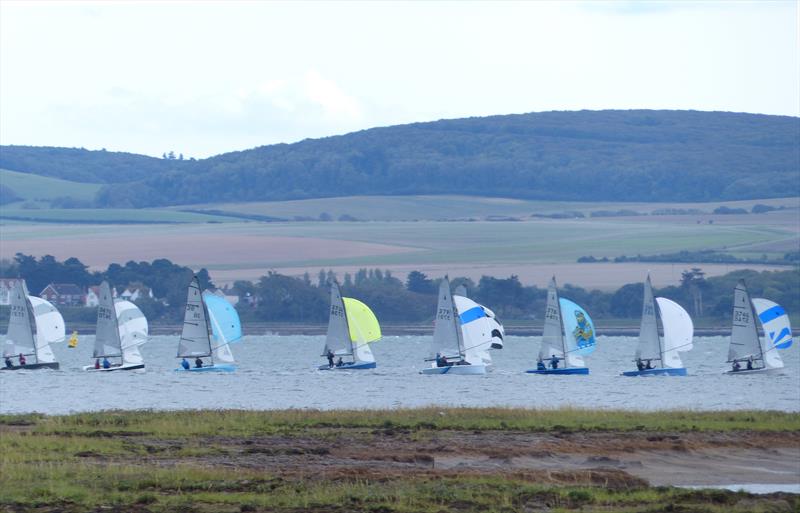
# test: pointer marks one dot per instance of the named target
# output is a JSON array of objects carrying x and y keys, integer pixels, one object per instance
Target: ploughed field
[{"x": 417, "y": 460}]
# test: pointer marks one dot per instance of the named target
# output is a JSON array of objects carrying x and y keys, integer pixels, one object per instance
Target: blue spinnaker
[
  {"x": 578, "y": 328},
  {"x": 225, "y": 320}
]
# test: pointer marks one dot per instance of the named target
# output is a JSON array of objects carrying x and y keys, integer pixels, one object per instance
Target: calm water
[{"x": 279, "y": 372}]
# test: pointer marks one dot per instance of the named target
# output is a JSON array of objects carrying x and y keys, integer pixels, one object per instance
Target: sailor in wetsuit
[
  {"x": 329, "y": 355},
  {"x": 198, "y": 363},
  {"x": 185, "y": 364},
  {"x": 554, "y": 362},
  {"x": 639, "y": 364}
]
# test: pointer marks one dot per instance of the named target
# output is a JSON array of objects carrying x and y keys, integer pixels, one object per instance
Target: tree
[
  {"x": 419, "y": 283},
  {"x": 694, "y": 281}
]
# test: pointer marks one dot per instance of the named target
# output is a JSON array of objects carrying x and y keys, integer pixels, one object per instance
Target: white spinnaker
[
  {"x": 553, "y": 333},
  {"x": 476, "y": 330},
  {"x": 498, "y": 331},
  {"x": 49, "y": 328},
  {"x": 195, "y": 339},
  {"x": 446, "y": 334},
  {"x": 337, "y": 338},
  {"x": 678, "y": 331},
  {"x": 133, "y": 331},
  {"x": 19, "y": 337},
  {"x": 773, "y": 328},
  {"x": 649, "y": 347},
  {"x": 744, "y": 335},
  {"x": 222, "y": 350},
  {"x": 107, "y": 341}
]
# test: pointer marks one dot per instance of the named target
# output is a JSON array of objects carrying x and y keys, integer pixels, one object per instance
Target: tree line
[
  {"x": 579, "y": 156},
  {"x": 280, "y": 298}
]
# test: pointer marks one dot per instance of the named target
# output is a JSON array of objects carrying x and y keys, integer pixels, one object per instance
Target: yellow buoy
[{"x": 73, "y": 340}]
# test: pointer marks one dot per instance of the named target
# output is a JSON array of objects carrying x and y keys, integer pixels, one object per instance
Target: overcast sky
[{"x": 203, "y": 78}]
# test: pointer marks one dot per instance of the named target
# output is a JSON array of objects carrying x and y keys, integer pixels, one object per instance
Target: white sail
[
  {"x": 777, "y": 330},
  {"x": 195, "y": 340},
  {"x": 133, "y": 331},
  {"x": 106, "y": 340},
  {"x": 678, "y": 332},
  {"x": 19, "y": 337},
  {"x": 649, "y": 347},
  {"x": 446, "y": 333},
  {"x": 498, "y": 331},
  {"x": 744, "y": 336},
  {"x": 337, "y": 338},
  {"x": 49, "y": 329},
  {"x": 222, "y": 352},
  {"x": 553, "y": 334},
  {"x": 476, "y": 330}
]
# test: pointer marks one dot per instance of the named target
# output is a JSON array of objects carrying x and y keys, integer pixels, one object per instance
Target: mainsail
[
  {"x": 226, "y": 328},
  {"x": 678, "y": 332},
  {"x": 744, "y": 334},
  {"x": 447, "y": 339},
  {"x": 337, "y": 338},
  {"x": 195, "y": 340},
  {"x": 553, "y": 334},
  {"x": 777, "y": 330},
  {"x": 649, "y": 347},
  {"x": 364, "y": 329},
  {"x": 106, "y": 341},
  {"x": 19, "y": 337},
  {"x": 579, "y": 333}
]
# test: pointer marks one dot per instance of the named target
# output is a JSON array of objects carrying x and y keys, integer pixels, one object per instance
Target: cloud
[{"x": 335, "y": 102}]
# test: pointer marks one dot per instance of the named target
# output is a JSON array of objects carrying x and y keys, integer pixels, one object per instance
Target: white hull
[
  {"x": 773, "y": 370},
  {"x": 463, "y": 370},
  {"x": 126, "y": 366}
]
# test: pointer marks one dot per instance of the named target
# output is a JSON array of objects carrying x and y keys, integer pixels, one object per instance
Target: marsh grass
[{"x": 253, "y": 423}]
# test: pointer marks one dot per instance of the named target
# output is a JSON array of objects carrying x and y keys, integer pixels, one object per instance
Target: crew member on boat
[
  {"x": 22, "y": 360},
  {"x": 554, "y": 361},
  {"x": 639, "y": 364},
  {"x": 649, "y": 364},
  {"x": 540, "y": 364},
  {"x": 736, "y": 366},
  {"x": 9, "y": 363},
  {"x": 185, "y": 364},
  {"x": 97, "y": 363},
  {"x": 441, "y": 360},
  {"x": 106, "y": 363},
  {"x": 198, "y": 363},
  {"x": 330, "y": 358},
  {"x": 750, "y": 362}
]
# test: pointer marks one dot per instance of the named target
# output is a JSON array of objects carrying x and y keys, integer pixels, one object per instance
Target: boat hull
[
  {"x": 217, "y": 367},
  {"x": 465, "y": 370},
  {"x": 349, "y": 366},
  {"x": 124, "y": 367},
  {"x": 681, "y": 371},
  {"x": 764, "y": 370},
  {"x": 567, "y": 371},
  {"x": 33, "y": 366}
]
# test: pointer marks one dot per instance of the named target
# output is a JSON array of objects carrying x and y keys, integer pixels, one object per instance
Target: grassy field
[
  {"x": 218, "y": 461},
  {"x": 41, "y": 189},
  {"x": 105, "y": 216},
  {"x": 408, "y": 208}
]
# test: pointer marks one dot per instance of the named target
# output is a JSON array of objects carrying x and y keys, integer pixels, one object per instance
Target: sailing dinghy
[
  {"x": 451, "y": 351},
  {"x": 567, "y": 337},
  {"x": 352, "y": 327},
  {"x": 498, "y": 333},
  {"x": 210, "y": 324},
  {"x": 33, "y": 325},
  {"x": 748, "y": 353},
  {"x": 656, "y": 356},
  {"x": 121, "y": 329}
]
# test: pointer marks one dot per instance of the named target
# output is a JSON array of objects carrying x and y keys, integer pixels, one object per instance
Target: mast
[
  {"x": 32, "y": 322},
  {"x": 462, "y": 351},
  {"x": 208, "y": 329},
  {"x": 563, "y": 335}
]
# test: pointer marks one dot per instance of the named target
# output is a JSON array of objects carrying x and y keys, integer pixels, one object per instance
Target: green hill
[
  {"x": 589, "y": 156},
  {"x": 37, "y": 188}
]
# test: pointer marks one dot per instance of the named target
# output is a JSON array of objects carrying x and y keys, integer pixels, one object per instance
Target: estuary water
[{"x": 277, "y": 372}]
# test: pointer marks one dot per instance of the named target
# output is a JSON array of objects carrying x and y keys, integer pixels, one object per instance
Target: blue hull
[
  {"x": 348, "y": 366},
  {"x": 570, "y": 370},
  {"x": 656, "y": 372},
  {"x": 217, "y": 367}
]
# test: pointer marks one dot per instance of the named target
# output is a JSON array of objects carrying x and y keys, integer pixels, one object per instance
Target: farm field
[
  {"x": 38, "y": 188},
  {"x": 106, "y": 216},
  {"x": 532, "y": 249}
]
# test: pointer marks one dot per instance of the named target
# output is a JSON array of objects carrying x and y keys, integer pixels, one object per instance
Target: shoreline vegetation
[{"x": 407, "y": 460}]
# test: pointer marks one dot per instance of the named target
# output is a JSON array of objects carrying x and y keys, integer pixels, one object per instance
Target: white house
[
  {"x": 133, "y": 293},
  {"x": 93, "y": 296},
  {"x": 6, "y": 284}
]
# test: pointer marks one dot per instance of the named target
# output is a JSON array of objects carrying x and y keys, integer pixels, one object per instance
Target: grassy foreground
[{"x": 183, "y": 461}]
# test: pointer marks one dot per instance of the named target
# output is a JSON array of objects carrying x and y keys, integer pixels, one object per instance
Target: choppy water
[{"x": 278, "y": 372}]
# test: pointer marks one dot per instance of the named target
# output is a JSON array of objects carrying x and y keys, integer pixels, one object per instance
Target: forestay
[
  {"x": 226, "y": 328},
  {"x": 195, "y": 340},
  {"x": 19, "y": 337},
  {"x": 649, "y": 347},
  {"x": 777, "y": 330},
  {"x": 578, "y": 332},
  {"x": 553, "y": 334},
  {"x": 337, "y": 339},
  {"x": 49, "y": 328},
  {"x": 447, "y": 339},
  {"x": 744, "y": 334},
  {"x": 363, "y": 329},
  {"x": 678, "y": 331}
]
